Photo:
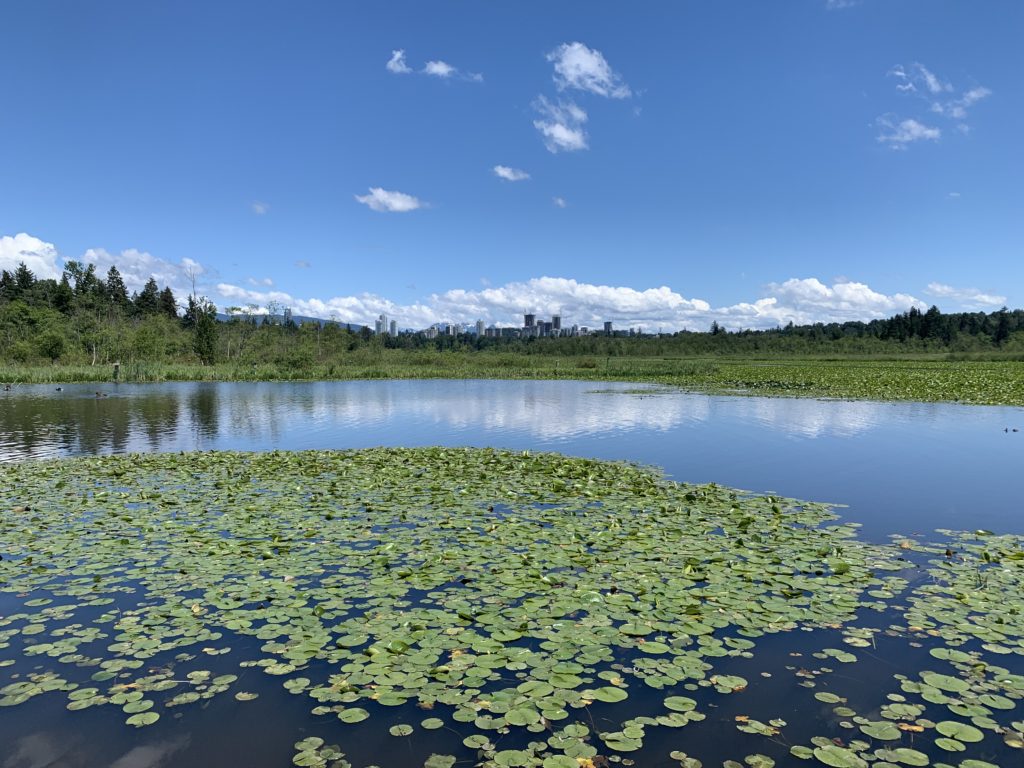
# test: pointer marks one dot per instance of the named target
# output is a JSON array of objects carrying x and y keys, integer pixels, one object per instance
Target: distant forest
[{"x": 86, "y": 319}]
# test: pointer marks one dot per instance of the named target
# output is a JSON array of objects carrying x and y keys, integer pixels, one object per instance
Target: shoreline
[{"x": 936, "y": 381}]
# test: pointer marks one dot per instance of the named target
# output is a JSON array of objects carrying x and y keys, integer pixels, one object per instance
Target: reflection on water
[
  {"x": 46, "y": 749},
  {"x": 38, "y": 422},
  {"x": 899, "y": 466}
]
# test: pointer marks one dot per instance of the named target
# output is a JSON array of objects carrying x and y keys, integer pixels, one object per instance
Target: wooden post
[{"x": 117, "y": 370}]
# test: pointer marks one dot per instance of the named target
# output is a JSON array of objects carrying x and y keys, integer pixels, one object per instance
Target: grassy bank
[{"x": 910, "y": 379}]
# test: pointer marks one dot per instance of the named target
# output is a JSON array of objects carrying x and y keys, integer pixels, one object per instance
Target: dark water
[{"x": 900, "y": 468}]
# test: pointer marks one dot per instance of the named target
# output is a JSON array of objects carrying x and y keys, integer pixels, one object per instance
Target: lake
[{"x": 899, "y": 468}]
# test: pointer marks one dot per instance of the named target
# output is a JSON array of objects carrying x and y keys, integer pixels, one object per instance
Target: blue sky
[{"x": 750, "y": 162}]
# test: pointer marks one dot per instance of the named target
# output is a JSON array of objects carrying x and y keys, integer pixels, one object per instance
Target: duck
[
  {"x": 60, "y": 389},
  {"x": 7, "y": 387},
  {"x": 101, "y": 394}
]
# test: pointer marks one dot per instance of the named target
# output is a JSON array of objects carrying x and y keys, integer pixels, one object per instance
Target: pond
[{"x": 901, "y": 468}]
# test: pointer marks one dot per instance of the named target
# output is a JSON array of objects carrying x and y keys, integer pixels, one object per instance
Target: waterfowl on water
[
  {"x": 101, "y": 394},
  {"x": 7, "y": 387},
  {"x": 60, "y": 389}
]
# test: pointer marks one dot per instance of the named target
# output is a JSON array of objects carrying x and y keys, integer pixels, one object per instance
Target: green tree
[
  {"x": 51, "y": 344},
  {"x": 24, "y": 279},
  {"x": 147, "y": 301},
  {"x": 203, "y": 316},
  {"x": 63, "y": 296},
  {"x": 168, "y": 304},
  {"x": 116, "y": 291},
  {"x": 1002, "y": 332}
]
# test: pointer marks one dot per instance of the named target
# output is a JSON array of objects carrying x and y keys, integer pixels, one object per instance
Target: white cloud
[
  {"x": 559, "y": 202},
  {"x": 264, "y": 282},
  {"x": 899, "y": 135},
  {"x": 439, "y": 69},
  {"x": 953, "y": 195},
  {"x": 39, "y": 256},
  {"x": 835, "y": 5},
  {"x": 971, "y": 298},
  {"x": 931, "y": 81},
  {"x": 921, "y": 82},
  {"x": 585, "y": 69},
  {"x": 798, "y": 300},
  {"x": 303, "y": 264},
  {"x": 260, "y": 208},
  {"x": 136, "y": 267},
  {"x": 435, "y": 68},
  {"x": 561, "y": 125},
  {"x": 510, "y": 174},
  {"x": 397, "y": 63},
  {"x": 385, "y": 200},
  {"x": 957, "y": 108}
]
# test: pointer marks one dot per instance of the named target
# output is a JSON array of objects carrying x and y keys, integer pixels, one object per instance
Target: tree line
[{"x": 87, "y": 319}]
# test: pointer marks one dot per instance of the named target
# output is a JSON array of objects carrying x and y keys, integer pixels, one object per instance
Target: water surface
[{"x": 900, "y": 467}]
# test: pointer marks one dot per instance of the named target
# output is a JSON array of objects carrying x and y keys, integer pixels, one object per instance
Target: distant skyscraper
[
  {"x": 529, "y": 320},
  {"x": 608, "y": 327},
  {"x": 393, "y": 329},
  {"x": 556, "y": 323},
  {"x": 479, "y": 328},
  {"x": 381, "y": 324}
]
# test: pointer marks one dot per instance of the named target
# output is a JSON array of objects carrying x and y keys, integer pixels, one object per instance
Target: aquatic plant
[{"x": 510, "y": 596}]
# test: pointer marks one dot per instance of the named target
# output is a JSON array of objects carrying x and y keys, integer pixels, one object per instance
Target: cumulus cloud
[
  {"x": 905, "y": 132},
  {"x": 260, "y": 208},
  {"x": 559, "y": 202},
  {"x": 561, "y": 125},
  {"x": 804, "y": 300},
  {"x": 265, "y": 282},
  {"x": 397, "y": 63},
  {"x": 136, "y": 267},
  {"x": 510, "y": 174},
  {"x": 385, "y": 200},
  {"x": 439, "y": 69},
  {"x": 585, "y": 69},
  {"x": 39, "y": 256},
  {"x": 970, "y": 298}
]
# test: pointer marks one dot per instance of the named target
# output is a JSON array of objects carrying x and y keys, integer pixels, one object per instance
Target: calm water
[{"x": 900, "y": 468}]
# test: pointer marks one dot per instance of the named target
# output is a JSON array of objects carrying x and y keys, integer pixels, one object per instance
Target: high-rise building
[
  {"x": 393, "y": 328},
  {"x": 380, "y": 325},
  {"x": 529, "y": 321},
  {"x": 479, "y": 328},
  {"x": 556, "y": 323},
  {"x": 608, "y": 327}
]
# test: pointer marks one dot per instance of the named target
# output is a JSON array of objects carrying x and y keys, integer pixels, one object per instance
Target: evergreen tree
[
  {"x": 168, "y": 304},
  {"x": 202, "y": 314},
  {"x": 1002, "y": 327},
  {"x": 23, "y": 279},
  {"x": 63, "y": 296},
  {"x": 147, "y": 302},
  {"x": 7, "y": 285},
  {"x": 116, "y": 291}
]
